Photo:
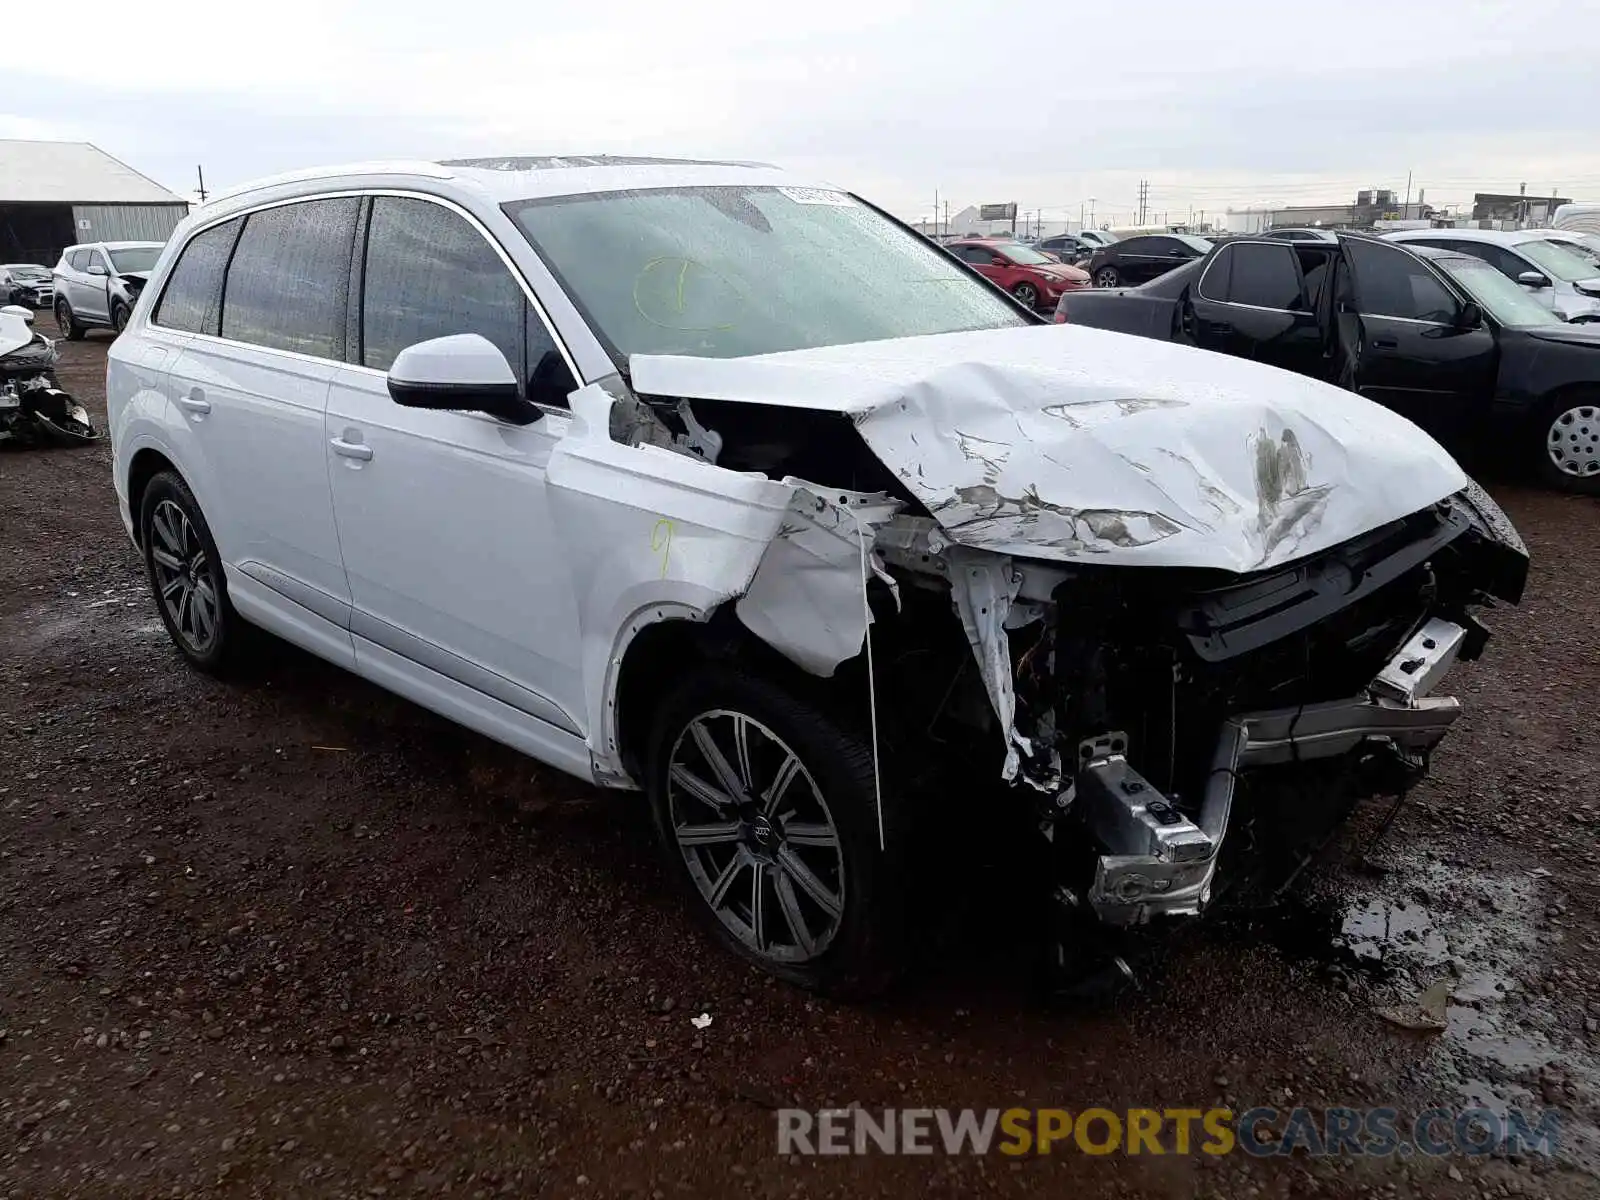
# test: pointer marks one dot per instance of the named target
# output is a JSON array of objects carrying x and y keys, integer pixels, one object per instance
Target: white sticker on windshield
[{"x": 804, "y": 195}]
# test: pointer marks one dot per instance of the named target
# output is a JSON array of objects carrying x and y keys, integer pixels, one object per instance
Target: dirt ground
[{"x": 295, "y": 937}]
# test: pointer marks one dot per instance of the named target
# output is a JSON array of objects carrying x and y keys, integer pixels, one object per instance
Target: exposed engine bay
[{"x": 1130, "y": 616}]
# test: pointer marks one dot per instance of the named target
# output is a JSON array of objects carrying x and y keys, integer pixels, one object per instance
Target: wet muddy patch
[{"x": 1461, "y": 956}]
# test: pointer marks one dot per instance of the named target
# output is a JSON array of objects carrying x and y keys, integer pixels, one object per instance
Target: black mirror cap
[
  {"x": 504, "y": 402},
  {"x": 1470, "y": 316}
]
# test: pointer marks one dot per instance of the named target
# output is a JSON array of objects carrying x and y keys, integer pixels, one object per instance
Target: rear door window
[
  {"x": 192, "y": 299},
  {"x": 1255, "y": 274},
  {"x": 288, "y": 284},
  {"x": 1390, "y": 282}
]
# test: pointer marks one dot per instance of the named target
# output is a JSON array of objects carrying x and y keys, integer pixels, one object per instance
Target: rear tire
[
  {"x": 186, "y": 577},
  {"x": 67, "y": 323},
  {"x": 1568, "y": 432},
  {"x": 783, "y": 864}
]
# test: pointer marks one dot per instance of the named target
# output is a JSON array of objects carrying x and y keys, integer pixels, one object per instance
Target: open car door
[{"x": 1414, "y": 342}]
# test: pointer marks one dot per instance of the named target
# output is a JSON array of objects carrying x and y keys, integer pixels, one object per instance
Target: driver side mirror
[
  {"x": 1470, "y": 316},
  {"x": 1533, "y": 279},
  {"x": 997, "y": 261},
  {"x": 96, "y": 269},
  {"x": 464, "y": 372}
]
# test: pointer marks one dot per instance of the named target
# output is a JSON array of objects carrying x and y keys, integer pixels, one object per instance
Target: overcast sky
[{"x": 1228, "y": 102}]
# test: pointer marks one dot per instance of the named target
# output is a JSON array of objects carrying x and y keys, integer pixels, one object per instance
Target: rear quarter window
[{"x": 191, "y": 302}]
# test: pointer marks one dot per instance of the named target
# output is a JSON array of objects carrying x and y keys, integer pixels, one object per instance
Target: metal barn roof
[{"x": 72, "y": 173}]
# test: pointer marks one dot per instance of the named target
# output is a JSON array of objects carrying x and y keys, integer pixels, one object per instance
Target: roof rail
[
  {"x": 432, "y": 170},
  {"x": 551, "y": 162}
]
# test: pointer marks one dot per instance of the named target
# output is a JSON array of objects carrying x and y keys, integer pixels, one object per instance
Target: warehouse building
[{"x": 55, "y": 194}]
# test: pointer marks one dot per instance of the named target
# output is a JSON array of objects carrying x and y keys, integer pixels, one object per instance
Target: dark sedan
[
  {"x": 27, "y": 284},
  {"x": 1443, "y": 339},
  {"x": 1143, "y": 258}
]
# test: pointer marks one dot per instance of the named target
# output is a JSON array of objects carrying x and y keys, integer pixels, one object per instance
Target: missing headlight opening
[{"x": 1184, "y": 696}]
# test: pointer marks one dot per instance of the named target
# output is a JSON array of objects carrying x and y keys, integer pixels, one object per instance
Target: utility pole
[
  {"x": 935, "y": 210},
  {"x": 1144, "y": 199},
  {"x": 946, "y": 218},
  {"x": 1406, "y": 207},
  {"x": 1091, "y": 210},
  {"x": 200, "y": 173}
]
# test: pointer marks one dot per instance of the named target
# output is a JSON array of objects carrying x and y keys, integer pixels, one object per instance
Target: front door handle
[
  {"x": 195, "y": 402},
  {"x": 346, "y": 449},
  {"x": 1385, "y": 343}
]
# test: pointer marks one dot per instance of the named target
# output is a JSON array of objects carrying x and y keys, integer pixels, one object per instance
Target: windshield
[
  {"x": 1584, "y": 245},
  {"x": 1502, "y": 297},
  {"x": 1558, "y": 261},
  {"x": 1198, "y": 243},
  {"x": 721, "y": 272},
  {"x": 28, "y": 271},
  {"x": 134, "y": 258},
  {"x": 1023, "y": 256}
]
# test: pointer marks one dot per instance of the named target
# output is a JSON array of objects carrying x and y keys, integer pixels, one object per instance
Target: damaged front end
[
  {"x": 1151, "y": 713},
  {"x": 1297, "y": 692},
  {"x": 1183, "y": 638}
]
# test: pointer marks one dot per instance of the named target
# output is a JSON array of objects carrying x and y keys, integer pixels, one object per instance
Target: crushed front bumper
[{"x": 1156, "y": 861}]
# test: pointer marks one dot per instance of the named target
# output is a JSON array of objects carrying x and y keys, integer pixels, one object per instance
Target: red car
[{"x": 1033, "y": 278}]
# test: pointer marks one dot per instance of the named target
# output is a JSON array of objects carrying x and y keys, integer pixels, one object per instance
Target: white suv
[{"x": 703, "y": 480}]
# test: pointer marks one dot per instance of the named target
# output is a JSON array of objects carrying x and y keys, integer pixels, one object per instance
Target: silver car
[{"x": 97, "y": 284}]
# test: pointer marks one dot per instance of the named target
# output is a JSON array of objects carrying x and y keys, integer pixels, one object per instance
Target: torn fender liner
[
  {"x": 807, "y": 600},
  {"x": 982, "y": 587},
  {"x": 1069, "y": 443}
]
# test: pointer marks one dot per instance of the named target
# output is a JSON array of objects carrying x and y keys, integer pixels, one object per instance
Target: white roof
[
  {"x": 72, "y": 173},
  {"x": 524, "y": 178},
  {"x": 1495, "y": 237}
]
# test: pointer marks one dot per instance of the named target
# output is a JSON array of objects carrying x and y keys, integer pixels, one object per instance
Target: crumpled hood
[{"x": 1074, "y": 444}]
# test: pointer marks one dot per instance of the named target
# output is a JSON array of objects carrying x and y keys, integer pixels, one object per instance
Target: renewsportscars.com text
[{"x": 1258, "y": 1132}]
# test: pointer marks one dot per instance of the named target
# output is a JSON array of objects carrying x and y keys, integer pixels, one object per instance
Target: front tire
[
  {"x": 1107, "y": 277},
  {"x": 67, "y": 323},
  {"x": 186, "y": 577},
  {"x": 1569, "y": 449},
  {"x": 767, "y": 811},
  {"x": 1026, "y": 294},
  {"x": 119, "y": 316}
]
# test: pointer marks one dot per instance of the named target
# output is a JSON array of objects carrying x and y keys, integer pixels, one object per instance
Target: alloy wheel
[
  {"x": 64, "y": 320},
  {"x": 119, "y": 318},
  {"x": 1027, "y": 294},
  {"x": 757, "y": 836},
  {"x": 1106, "y": 277},
  {"x": 185, "y": 578},
  {"x": 1573, "y": 441}
]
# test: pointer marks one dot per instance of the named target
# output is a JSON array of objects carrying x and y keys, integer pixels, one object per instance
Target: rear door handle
[
  {"x": 195, "y": 402},
  {"x": 346, "y": 449}
]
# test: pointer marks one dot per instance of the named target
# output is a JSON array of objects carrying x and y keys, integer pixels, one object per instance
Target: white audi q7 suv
[{"x": 699, "y": 479}]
